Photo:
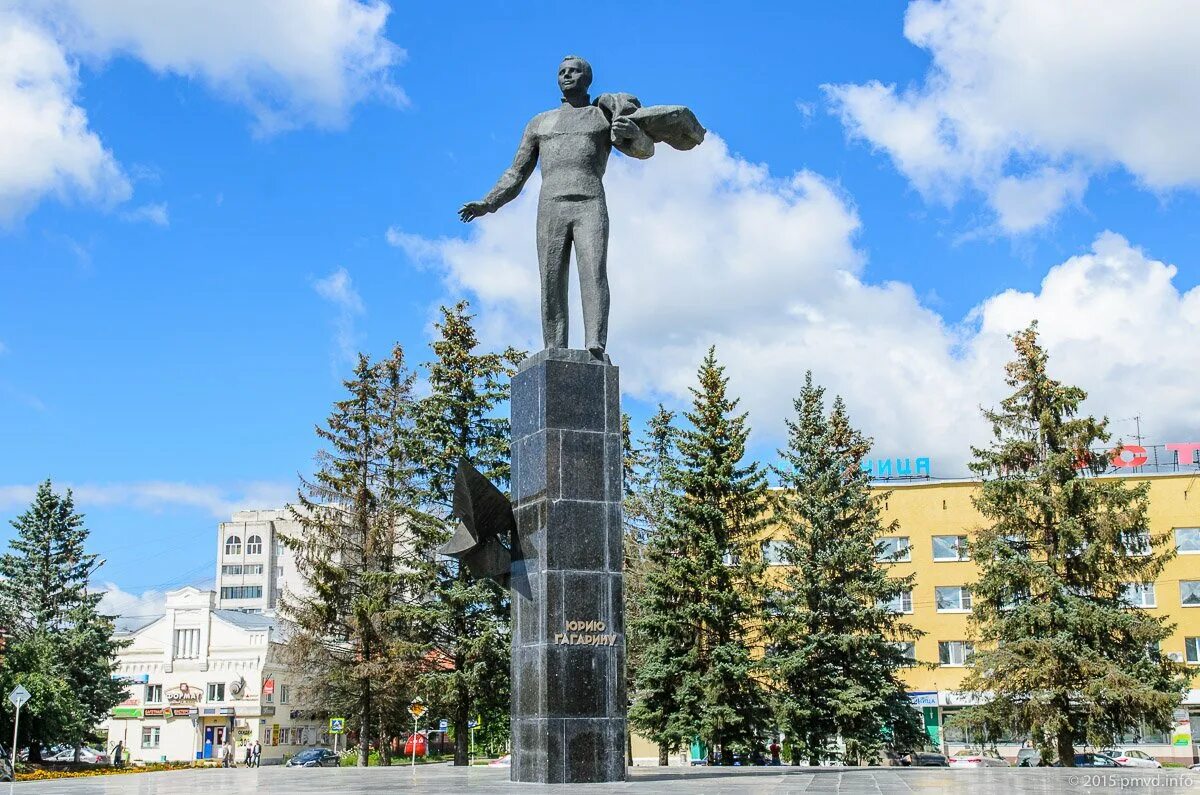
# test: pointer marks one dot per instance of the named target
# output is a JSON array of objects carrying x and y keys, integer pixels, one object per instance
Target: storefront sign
[
  {"x": 924, "y": 698},
  {"x": 127, "y": 712},
  {"x": 184, "y": 694},
  {"x": 225, "y": 711},
  {"x": 268, "y": 687},
  {"x": 154, "y": 712},
  {"x": 267, "y": 711},
  {"x": 184, "y": 712}
]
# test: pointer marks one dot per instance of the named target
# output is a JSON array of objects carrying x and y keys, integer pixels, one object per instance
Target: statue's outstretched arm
[{"x": 508, "y": 187}]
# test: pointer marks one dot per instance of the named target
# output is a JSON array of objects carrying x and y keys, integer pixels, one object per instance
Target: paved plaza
[{"x": 447, "y": 780}]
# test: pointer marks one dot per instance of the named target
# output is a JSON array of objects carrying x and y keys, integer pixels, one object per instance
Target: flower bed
[{"x": 49, "y": 772}]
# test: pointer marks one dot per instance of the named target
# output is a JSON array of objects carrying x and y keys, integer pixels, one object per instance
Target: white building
[
  {"x": 253, "y": 565},
  {"x": 199, "y": 676}
]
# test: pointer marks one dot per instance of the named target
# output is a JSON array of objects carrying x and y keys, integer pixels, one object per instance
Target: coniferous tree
[
  {"x": 831, "y": 634},
  {"x": 363, "y": 554},
  {"x": 647, "y": 469},
  {"x": 468, "y": 674},
  {"x": 61, "y": 647},
  {"x": 1061, "y": 649},
  {"x": 698, "y": 675}
]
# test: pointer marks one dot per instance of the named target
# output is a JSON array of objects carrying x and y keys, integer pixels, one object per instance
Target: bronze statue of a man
[{"x": 573, "y": 143}]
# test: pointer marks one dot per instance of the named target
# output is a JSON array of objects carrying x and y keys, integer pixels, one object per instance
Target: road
[{"x": 446, "y": 780}]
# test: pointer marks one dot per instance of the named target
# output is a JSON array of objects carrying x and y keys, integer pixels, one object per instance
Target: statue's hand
[
  {"x": 472, "y": 210},
  {"x": 623, "y": 127}
]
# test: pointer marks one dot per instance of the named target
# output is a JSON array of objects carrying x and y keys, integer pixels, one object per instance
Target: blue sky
[{"x": 202, "y": 215}]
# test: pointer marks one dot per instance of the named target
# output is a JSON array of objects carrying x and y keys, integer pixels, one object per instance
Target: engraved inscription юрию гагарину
[{"x": 585, "y": 633}]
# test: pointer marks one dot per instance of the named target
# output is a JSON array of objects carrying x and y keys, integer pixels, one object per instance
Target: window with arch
[
  {"x": 254, "y": 545},
  {"x": 233, "y": 545}
]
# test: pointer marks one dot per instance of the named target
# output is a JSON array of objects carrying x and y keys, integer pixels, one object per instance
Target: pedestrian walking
[
  {"x": 257, "y": 754},
  {"x": 119, "y": 754},
  {"x": 249, "y": 753}
]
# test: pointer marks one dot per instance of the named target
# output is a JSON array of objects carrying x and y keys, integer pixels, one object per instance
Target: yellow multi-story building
[
  {"x": 935, "y": 518},
  {"x": 935, "y": 521}
]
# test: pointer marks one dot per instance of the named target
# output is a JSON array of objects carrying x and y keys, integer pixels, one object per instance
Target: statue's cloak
[{"x": 673, "y": 125}]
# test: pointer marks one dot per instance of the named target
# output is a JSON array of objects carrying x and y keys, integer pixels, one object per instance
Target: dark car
[
  {"x": 314, "y": 757},
  {"x": 1094, "y": 760},
  {"x": 924, "y": 759}
]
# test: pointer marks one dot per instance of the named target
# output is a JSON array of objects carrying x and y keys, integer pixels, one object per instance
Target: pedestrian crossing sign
[{"x": 337, "y": 725}]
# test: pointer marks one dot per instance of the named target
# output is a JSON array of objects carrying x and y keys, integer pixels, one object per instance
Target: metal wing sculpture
[{"x": 486, "y": 524}]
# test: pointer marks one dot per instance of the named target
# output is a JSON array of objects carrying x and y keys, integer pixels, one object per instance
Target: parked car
[
  {"x": 504, "y": 761},
  {"x": 1093, "y": 760},
  {"x": 314, "y": 757},
  {"x": 977, "y": 758},
  {"x": 87, "y": 756},
  {"x": 924, "y": 759},
  {"x": 6, "y": 770},
  {"x": 1131, "y": 757},
  {"x": 1029, "y": 757}
]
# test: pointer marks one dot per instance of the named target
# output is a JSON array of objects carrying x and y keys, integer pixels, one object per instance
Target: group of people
[{"x": 253, "y": 754}]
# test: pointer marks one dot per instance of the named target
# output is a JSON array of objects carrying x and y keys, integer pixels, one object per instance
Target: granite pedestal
[{"x": 568, "y": 632}]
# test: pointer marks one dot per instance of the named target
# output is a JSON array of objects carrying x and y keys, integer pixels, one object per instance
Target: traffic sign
[
  {"x": 471, "y": 724},
  {"x": 337, "y": 725},
  {"x": 417, "y": 708},
  {"x": 443, "y": 724},
  {"x": 18, "y": 696}
]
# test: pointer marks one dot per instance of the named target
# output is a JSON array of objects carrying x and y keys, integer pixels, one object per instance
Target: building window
[
  {"x": 908, "y": 650},
  {"x": 1137, "y": 544},
  {"x": 773, "y": 551},
  {"x": 950, "y": 548},
  {"x": 893, "y": 549},
  {"x": 1140, "y": 594},
  {"x": 150, "y": 736},
  {"x": 1192, "y": 650},
  {"x": 233, "y": 545},
  {"x": 187, "y": 644},
  {"x": 1187, "y": 539},
  {"x": 269, "y": 698},
  {"x": 284, "y": 694},
  {"x": 153, "y": 694},
  {"x": 952, "y": 598},
  {"x": 246, "y": 568},
  {"x": 254, "y": 545},
  {"x": 1189, "y": 593},
  {"x": 241, "y": 592},
  {"x": 216, "y": 691},
  {"x": 955, "y": 652},
  {"x": 900, "y": 603}
]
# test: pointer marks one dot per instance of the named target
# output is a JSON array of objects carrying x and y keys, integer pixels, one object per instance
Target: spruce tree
[
  {"x": 468, "y": 674},
  {"x": 832, "y": 657},
  {"x": 363, "y": 555},
  {"x": 698, "y": 676},
  {"x": 1061, "y": 649},
  {"x": 648, "y": 467},
  {"x": 61, "y": 647}
]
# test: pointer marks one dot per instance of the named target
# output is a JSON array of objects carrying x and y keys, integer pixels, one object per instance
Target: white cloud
[
  {"x": 46, "y": 146},
  {"x": 132, "y": 606},
  {"x": 154, "y": 496},
  {"x": 294, "y": 63},
  {"x": 151, "y": 213},
  {"x": 709, "y": 249},
  {"x": 1025, "y": 100},
  {"x": 289, "y": 63},
  {"x": 338, "y": 289}
]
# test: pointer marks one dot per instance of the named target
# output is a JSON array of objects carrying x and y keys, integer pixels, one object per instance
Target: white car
[
  {"x": 87, "y": 756},
  {"x": 1131, "y": 757},
  {"x": 968, "y": 758}
]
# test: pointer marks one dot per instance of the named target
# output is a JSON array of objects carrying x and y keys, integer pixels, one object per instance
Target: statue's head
[{"x": 574, "y": 75}]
